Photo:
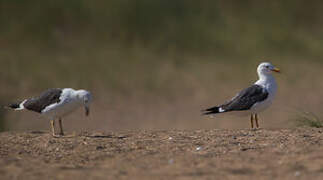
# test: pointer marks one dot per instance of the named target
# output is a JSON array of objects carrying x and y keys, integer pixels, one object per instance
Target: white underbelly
[
  {"x": 261, "y": 106},
  {"x": 61, "y": 110}
]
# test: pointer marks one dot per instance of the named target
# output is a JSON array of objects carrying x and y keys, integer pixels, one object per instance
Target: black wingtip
[
  {"x": 206, "y": 113},
  {"x": 212, "y": 110},
  {"x": 12, "y": 106}
]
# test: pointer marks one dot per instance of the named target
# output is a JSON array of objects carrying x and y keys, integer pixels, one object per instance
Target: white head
[
  {"x": 85, "y": 98},
  {"x": 266, "y": 68}
]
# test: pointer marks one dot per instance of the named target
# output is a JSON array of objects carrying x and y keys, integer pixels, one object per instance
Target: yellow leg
[
  {"x": 251, "y": 121},
  {"x": 52, "y": 124},
  {"x": 60, "y": 127},
  {"x": 256, "y": 118}
]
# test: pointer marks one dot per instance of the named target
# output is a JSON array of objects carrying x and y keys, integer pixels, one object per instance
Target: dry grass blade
[{"x": 308, "y": 119}]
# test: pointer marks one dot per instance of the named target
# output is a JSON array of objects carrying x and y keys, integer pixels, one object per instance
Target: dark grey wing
[
  {"x": 242, "y": 101},
  {"x": 47, "y": 98},
  {"x": 246, "y": 99}
]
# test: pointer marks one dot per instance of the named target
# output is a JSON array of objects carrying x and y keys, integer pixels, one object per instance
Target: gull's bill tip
[
  {"x": 87, "y": 111},
  {"x": 276, "y": 70}
]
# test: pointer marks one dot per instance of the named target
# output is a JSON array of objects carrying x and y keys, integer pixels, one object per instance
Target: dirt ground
[{"x": 171, "y": 154}]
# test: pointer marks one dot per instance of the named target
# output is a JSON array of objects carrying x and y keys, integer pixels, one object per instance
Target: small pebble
[
  {"x": 170, "y": 138},
  {"x": 297, "y": 173},
  {"x": 171, "y": 161},
  {"x": 99, "y": 147},
  {"x": 199, "y": 148}
]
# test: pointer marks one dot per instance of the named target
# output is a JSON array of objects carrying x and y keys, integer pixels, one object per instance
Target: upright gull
[
  {"x": 55, "y": 103},
  {"x": 253, "y": 99}
]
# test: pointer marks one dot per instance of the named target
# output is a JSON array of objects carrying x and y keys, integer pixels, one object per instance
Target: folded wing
[{"x": 244, "y": 100}]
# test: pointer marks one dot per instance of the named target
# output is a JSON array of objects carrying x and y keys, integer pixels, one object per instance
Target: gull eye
[{"x": 267, "y": 67}]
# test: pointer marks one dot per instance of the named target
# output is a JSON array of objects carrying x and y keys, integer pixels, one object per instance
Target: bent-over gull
[{"x": 55, "y": 103}]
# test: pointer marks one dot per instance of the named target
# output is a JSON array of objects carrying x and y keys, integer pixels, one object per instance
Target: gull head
[
  {"x": 266, "y": 68},
  {"x": 85, "y": 98}
]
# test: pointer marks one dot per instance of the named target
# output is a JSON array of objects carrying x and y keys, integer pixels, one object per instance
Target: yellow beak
[{"x": 276, "y": 70}]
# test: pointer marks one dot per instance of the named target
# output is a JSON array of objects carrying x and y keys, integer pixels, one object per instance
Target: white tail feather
[{"x": 21, "y": 105}]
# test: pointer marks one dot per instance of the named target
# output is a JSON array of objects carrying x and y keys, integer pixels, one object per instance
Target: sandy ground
[{"x": 174, "y": 154}]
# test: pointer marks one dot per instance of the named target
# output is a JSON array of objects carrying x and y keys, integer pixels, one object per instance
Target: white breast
[{"x": 270, "y": 85}]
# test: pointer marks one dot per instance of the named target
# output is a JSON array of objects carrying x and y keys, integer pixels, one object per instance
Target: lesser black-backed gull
[
  {"x": 253, "y": 99},
  {"x": 55, "y": 103}
]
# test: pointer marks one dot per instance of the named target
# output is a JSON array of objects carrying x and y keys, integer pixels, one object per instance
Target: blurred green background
[{"x": 155, "y": 64}]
